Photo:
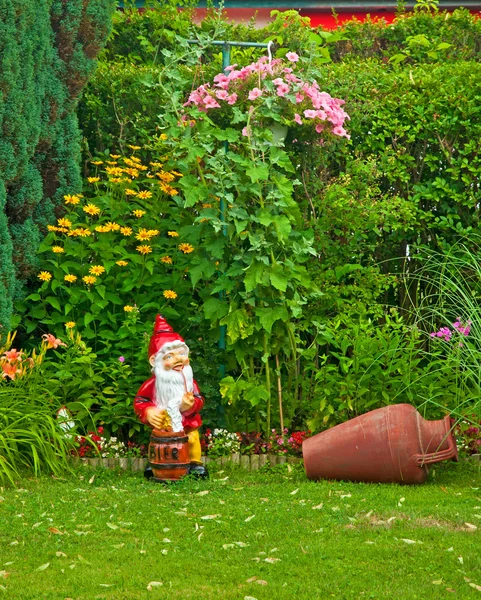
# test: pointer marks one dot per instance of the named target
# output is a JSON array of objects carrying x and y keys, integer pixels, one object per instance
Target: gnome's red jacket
[{"x": 144, "y": 399}]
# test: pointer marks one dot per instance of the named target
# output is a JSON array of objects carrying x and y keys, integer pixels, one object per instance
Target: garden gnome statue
[{"x": 170, "y": 400}]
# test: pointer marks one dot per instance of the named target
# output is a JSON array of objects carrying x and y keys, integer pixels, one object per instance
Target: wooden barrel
[{"x": 169, "y": 455}]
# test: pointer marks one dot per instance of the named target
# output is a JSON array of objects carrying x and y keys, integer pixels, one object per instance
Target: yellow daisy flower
[
  {"x": 165, "y": 177},
  {"x": 134, "y": 158},
  {"x": 115, "y": 180},
  {"x": 150, "y": 176},
  {"x": 115, "y": 156},
  {"x": 115, "y": 171},
  {"x": 70, "y": 278},
  {"x": 206, "y": 205},
  {"x": 129, "y": 308},
  {"x": 134, "y": 147},
  {"x": 64, "y": 222},
  {"x": 44, "y": 276},
  {"x": 173, "y": 233},
  {"x": 102, "y": 229},
  {"x": 138, "y": 213},
  {"x": 157, "y": 165},
  {"x": 186, "y": 248},
  {"x": 122, "y": 263},
  {"x": 70, "y": 199},
  {"x": 93, "y": 179},
  {"x": 112, "y": 226},
  {"x": 166, "y": 259},
  {"x": 111, "y": 162},
  {"x": 132, "y": 172},
  {"x": 168, "y": 189},
  {"x": 52, "y": 228},
  {"x": 89, "y": 279},
  {"x": 170, "y": 294},
  {"x": 126, "y": 230},
  {"x": 144, "y": 195},
  {"x": 57, "y": 249},
  {"x": 130, "y": 192},
  {"x": 97, "y": 162},
  {"x": 91, "y": 209},
  {"x": 144, "y": 249},
  {"x": 97, "y": 270},
  {"x": 80, "y": 232},
  {"x": 70, "y": 324},
  {"x": 163, "y": 136}
]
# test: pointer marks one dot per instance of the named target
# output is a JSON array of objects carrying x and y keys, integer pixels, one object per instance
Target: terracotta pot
[
  {"x": 169, "y": 455},
  {"x": 393, "y": 444}
]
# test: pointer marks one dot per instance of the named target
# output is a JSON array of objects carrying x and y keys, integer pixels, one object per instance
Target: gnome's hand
[
  {"x": 187, "y": 402},
  {"x": 154, "y": 417}
]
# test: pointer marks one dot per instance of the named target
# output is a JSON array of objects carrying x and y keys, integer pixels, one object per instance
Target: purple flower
[{"x": 121, "y": 359}]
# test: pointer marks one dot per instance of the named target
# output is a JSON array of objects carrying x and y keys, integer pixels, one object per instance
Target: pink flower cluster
[
  {"x": 446, "y": 333},
  {"x": 253, "y": 84}
]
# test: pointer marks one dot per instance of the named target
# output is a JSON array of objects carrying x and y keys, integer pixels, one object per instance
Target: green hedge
[{"x": 47, "y": 52}]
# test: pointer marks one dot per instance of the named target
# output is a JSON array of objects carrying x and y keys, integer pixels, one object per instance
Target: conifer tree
[{"x": 47, "y": 53}]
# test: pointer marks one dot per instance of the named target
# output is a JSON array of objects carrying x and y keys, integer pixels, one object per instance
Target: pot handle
[{"x": 434, "y": 457}]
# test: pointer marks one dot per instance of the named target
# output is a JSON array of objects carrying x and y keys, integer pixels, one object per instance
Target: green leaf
[
  {"x": 215, "y": 309},
  {"x": 265, "y": 217},
  {"x": 88, "y": 318},
  {"x": 268, "y": 316},
  {"x": 53, "y": 302},
  {"x": 260, "y": 173},
  {"x": 283, "y": 227},
  {"x": 228, "y": 135},
  {"x": 279, "y": 278},
  {"x": 239, "y": 325}
]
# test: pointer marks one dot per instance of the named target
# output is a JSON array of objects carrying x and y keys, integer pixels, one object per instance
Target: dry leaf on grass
[
  {"x": 112, "y": 526},
  {"x": 249, "y": 519},
  {"x": 153, "y": 584},
  {"x": 294, "y": 492},
  {"x": 60, "y": 554},
  {"x": 271, "y": 559},
  {"x": 203, "y": 493},
  {"x": 55, "y": 531},
  {"x": 210, "y": 517},
  {"x": 261, "y": 582},
  {"x": 4, "y": 574},
  {"x": 251, "y": 579},
  {"x": 476, "y": 587},
  {"x": 43, "y": 567},
  {"x": 318, "y": 507}
]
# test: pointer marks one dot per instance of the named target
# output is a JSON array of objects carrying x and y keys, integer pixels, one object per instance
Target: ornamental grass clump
[
  {"x": 31, "y": 437},
  {"x": 270, "y": 91}
]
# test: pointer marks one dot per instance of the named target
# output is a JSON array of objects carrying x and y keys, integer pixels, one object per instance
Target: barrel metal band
[
  {"x": 169, "y": 440},
  {"x": 170, "y": 465}
]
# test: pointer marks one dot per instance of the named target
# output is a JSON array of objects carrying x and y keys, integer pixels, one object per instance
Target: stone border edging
[{"x": 249, "y": 462}]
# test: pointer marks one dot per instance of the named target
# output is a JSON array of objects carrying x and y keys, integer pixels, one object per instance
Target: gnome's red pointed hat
[{"x": 164, "y": 337}]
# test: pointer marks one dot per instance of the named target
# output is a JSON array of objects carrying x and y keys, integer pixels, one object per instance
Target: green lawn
[{"x": 268, "y": 535}]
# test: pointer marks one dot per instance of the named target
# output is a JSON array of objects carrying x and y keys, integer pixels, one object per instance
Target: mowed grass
[{"x": 265, "y": 535}]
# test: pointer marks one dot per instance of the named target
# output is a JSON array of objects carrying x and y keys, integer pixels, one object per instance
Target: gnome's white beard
[{"x": 170, "y": 388}]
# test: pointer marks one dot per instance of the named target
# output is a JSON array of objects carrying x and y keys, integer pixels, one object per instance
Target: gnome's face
[
  {"x": 173, "y": 374},
  {"x": 175, "y": 357}
]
